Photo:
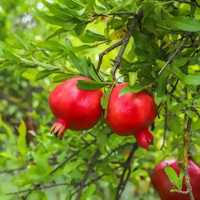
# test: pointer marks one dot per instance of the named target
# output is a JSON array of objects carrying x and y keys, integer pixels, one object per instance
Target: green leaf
[
  {"x": 136, "y": 88},
  {"x": 171, "y": 175},
  {"x": 8, "y": 130},
  {"x": 159, "y": 99},
  {"x": 91, "y": 37},
  {"x": 37, "y": 194},
  {"x": 132, "y": 78},
  {"x": 192, "y": 79},
  {"x": 44, "y": 65},
  {"x": 91, "y": 85},
  {"x": 58, "y": 32},
  {"x": 88, "y": 192},
  {"x": 41, "y": 163},
  {"x": 45, "y": 73},
  {"x": 22, "y": 139},
  {"x": 140, "y": 40},
  {"x": 101, "y": 141},
  {"x": 7, "y": 155},
  {"x": 75, "y": 62},
  {"x": 180, "y": 179},
  {"x": 71, "y": 166},
  {"x": 185, "y": 23},
  {"x": 63, "y": 77}
]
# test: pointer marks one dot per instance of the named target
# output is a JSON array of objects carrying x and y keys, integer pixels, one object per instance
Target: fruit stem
[{"x": 59, "y": 128}]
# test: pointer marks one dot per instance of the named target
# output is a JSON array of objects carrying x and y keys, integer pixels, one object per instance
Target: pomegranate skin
[
  {"x": 163, "y": 185},
  {"x": 74, "y": 108},
  {"x": 131, "y": 114}
]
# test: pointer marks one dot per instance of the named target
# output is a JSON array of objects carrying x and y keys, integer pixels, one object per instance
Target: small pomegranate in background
[
  {"x": 103, "y": 18},
  {"x": 131, "y": 114},
  {"x": 163, "y": 185},
  {"x": 74, "y": 108},
  {"x": 127, "y": 154},
  {"x": 30, "y": 126}
]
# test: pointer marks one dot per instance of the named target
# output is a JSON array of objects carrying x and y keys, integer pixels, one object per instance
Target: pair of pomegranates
[
  {"x": 76, "y": 109},
  {"x": 163, "y": 185}
]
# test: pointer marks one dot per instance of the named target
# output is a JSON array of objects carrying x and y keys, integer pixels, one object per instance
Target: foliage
[{"x": 43, "y": 43}]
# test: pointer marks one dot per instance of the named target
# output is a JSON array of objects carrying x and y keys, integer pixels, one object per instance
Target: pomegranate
[
  {"x": 131, "y": 114},
  {"x": 74, "y": 108},
  {"x": 30, "y": 126},
  {"x": 103, "y": 18},
  {"x": 163, "y": 185}
]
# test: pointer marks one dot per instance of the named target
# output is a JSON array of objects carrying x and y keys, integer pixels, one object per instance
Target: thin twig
[
  {"x": 172, "y": 57},
  {"x": 165, "y": 127},
  {"x": 12, "y": 170},
  {"x": 90, "y": 166},
  {"x": 38, "y": 188},
  {"x": 125, "y": 40},
  {"x": 185, "y": 164},
  {"x": 69, "y": 158},
  {"x": 122, "y": 183},
  {"x": 106, "y": 52},
  {"x": 99, "y": 43}
]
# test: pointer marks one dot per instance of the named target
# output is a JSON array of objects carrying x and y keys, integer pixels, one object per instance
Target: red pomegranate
[
  {"x": 74, "y": 108},
  {"x": 163, "y": 185},
  {"x": 131, "y": 114},
  {"x": 103, "y": 18},
  {"x": 30, "y": 126}
]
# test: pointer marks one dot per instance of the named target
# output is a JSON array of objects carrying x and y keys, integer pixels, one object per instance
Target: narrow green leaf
[
  {"x": 101, "y": 141},
  {"x": 22, "y": 139},
  {"x": 185, "y": 23},
  {"x": 45, "y": 73},
  {"x": 91, "y": 85},
  {"x": 7, "y": 155},
  {"x": 71, "y": 166},
  {"x": 136, "y": 88},
  {"x": 88, "y": 192},
  {"x": 192, "y": 79},
  {"x": 44, "y": 65},
  {"x": 180, "y": 179},
  {"x": 171, "y": 175},
  {"x": 58, "y": 32},
  {"x": 105, "y": 99},
  {"x": 63, "y": 77},
  {"x": 132, "y": 78}
]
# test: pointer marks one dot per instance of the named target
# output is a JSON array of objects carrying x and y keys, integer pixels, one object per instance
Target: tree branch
[
  {"x": 38, "y": 188},
  {"x": 185, "y": 164},
  {"x": 122, "y": 183},
  {"x": 69, "y": 158},
  {"x": 90, "y": 166},
  {"x": 125, "y": 40},
  {"x": 165, "y": 127},
  {"x": 106, "y": 52},
  {"x": 172, "y": 57}
]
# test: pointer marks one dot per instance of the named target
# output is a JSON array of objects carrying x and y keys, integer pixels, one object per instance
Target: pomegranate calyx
[
  {"x": 144, "y": 139},
  {"x": 59, "y": 128}
]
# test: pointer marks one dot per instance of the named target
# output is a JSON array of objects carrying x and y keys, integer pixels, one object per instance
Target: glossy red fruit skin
[
  {"x": 163, "y": 185},
  {"x": 77, "y": 109},
  {"x": 131, "y": 114}
]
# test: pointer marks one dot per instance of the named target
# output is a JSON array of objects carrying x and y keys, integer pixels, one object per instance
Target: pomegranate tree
[
  {"x": 74, "y": 108},
  {"x": 163, "y": 185},
  {"x": 131, "y": 114}
]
